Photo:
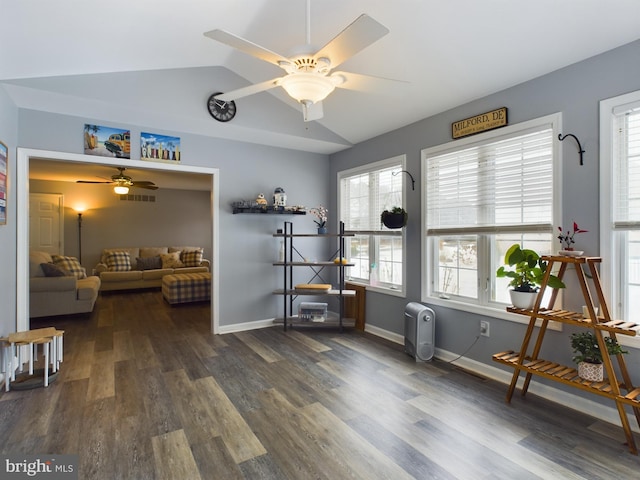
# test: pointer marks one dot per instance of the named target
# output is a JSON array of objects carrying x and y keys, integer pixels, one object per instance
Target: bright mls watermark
[{"x": 51, "y": 467}]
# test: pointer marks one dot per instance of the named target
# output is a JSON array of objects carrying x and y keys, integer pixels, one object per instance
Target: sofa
[
  {"x": 58, "y": 285},
  {"x": 127, "y": 268}
]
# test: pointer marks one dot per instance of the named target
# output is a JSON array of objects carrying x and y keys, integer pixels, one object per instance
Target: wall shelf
[{"x": 268, "y": 210}]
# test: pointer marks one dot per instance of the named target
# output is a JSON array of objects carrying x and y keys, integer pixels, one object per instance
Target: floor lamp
[
  {"x": 80, "y": 237},
  {"x": 79, "y": 233}
]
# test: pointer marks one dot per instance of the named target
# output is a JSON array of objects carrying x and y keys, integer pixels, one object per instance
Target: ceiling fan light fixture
[
  {"x": 121, "y": 189},
  {"x": 307, "y": 87}
]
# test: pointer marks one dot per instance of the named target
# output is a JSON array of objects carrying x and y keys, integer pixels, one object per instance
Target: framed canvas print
[
  {"x": 107, "y": 141},
  {"x": 4, "y": 160},
  {"x": 159, "y": 147}
]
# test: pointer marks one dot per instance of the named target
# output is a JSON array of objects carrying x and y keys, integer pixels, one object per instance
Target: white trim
[
  {"x": 22, "y": 221},
  {"x": 367, "y": 168},
  {"x": 555, "y": 121},
  {"x": 608, "y": 249},
  {"x": 386, "y": 334},
  {"x": 245, "y": 326}
]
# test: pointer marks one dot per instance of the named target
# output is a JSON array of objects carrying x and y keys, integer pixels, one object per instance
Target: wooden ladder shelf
[{"x": 621, "y": 391}]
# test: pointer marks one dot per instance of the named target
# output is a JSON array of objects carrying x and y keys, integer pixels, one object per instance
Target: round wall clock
[{"x": 221, "y": 110}]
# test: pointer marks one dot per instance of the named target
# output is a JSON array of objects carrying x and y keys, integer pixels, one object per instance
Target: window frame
[
  {"x": 611, "y": 249},
  {"x": 369, "y": 168},
  {"x": 490, "y": 308}
]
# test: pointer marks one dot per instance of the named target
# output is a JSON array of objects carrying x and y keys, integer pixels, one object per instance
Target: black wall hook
[
  {"x": 413, "y": 182},
  {"x": 580, "y": 150}
]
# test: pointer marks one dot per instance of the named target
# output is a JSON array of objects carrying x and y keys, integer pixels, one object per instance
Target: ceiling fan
[
  {"x": 121, "y": 182},
  {"x": 309, "y": 78}
]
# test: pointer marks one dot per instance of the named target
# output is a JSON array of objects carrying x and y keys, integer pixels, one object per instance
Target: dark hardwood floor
[{"x": 145, "y": 392}]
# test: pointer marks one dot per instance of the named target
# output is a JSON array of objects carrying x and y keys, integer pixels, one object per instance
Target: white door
[{"x": 46, "y": 217}]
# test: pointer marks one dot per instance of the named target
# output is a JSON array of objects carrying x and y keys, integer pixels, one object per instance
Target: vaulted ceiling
[{"x": 146, "y": 62}]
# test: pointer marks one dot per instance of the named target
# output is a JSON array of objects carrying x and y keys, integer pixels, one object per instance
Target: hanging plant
[{"x": 396, "y": 218}]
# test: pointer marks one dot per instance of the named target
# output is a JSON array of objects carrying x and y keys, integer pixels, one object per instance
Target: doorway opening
[{"x": 22, "y": 206}]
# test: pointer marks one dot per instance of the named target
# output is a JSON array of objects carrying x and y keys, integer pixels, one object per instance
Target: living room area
[{"x": 93, "y": 224}]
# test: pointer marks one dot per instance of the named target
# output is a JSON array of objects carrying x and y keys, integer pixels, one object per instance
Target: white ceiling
[{"x": 146, "y": 62}]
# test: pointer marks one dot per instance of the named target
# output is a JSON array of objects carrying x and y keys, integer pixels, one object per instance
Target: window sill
[
  {"x": 493, "y": 312},
  {"x": 396, "y": 292}
]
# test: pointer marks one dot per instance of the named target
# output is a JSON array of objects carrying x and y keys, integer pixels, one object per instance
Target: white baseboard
[
  {"x": 242, "y": 327},
  {"x": 379, "y": 332}
]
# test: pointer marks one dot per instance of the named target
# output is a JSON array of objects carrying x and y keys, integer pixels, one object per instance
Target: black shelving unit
[{"x": 290, "y": 293}]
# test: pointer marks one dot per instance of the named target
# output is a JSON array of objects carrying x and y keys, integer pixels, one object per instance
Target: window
[
  {"x": 482, "y": 195},
  {"x": 377, "y": 252},
  {"x": 620, "y": 203}
]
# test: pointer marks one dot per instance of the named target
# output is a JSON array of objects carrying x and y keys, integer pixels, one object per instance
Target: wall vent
[{"x": 138, "y": 198}]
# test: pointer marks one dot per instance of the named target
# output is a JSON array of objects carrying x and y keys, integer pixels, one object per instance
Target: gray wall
[
  {"x": 9, "y": 136},
  {"x": 575, "y": 91},
  {"x": 247, "y": 248}
]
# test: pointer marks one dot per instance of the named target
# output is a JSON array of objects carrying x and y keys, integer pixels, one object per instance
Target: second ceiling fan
[
  {"x": 121, "y": 182},
  {"x": 310, "y": 77}
]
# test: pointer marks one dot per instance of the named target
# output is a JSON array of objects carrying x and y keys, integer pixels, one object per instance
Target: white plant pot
[
  {"x": 524, "y": 300},
  {"x": 594, "y": 372}
]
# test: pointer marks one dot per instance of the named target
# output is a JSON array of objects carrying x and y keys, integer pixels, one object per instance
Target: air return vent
[{"x": 138, "y": 198}]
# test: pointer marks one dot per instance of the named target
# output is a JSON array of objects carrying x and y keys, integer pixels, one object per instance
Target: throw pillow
[
  {"x": 192, "y": 258},
  {"x": 119, "y": 261},
  {"x": 53, "y": 270},
  {"x": 171, "y": 260},
  {"x": 149, "y": 263},
  {"x": 70, "y": 264}
]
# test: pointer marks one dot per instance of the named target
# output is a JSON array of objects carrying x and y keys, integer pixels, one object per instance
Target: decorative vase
[
  {"x": 524, "y": 300},
  {"x": 593, "y": 372},
  {"x": 322, "y": 230}
]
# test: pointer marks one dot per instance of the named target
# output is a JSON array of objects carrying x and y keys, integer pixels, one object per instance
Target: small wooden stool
[{"x": 31, "y": 339}]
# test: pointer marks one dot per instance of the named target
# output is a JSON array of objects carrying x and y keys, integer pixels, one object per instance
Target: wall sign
[{"x": 479, "y": 123}]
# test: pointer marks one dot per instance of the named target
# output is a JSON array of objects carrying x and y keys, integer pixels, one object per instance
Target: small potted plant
[
  {"x": 588, "y": 355},
  {"x": 395, "y": 218},
  {"x": 567, "y": 240},
  {"x": 321, "y": 215},
  {"x": 526, "y": 274}
]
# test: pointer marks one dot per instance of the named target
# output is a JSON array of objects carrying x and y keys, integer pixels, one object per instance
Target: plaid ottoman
[{"x": 186, "y": 287}]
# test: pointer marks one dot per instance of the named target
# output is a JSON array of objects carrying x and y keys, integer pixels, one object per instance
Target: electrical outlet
[{"x": 484, "y": 328}]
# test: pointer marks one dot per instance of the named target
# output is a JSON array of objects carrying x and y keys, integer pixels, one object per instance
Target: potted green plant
[
  {"x": 526, "y": 272},
  {"x": 588, "y": 355},
  {"x": 395, "y": 218}
]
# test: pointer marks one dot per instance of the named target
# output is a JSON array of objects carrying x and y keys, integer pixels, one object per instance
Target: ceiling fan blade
[
  {"x": 357, "y": 36},
  {"x": 90, "y": 181},
  {"x": 247, "y": 47},
  {"x": 148, "y": 186},
  {"x": 367, "y": 83},
  {"x": 312, "y": 111},
  {"x": 250, "y": 90}
]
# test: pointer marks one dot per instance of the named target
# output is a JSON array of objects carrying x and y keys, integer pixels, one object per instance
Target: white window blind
[
  {"x": 497, "y": 187},
  {"x": 626, "y": 165},
  {"x": 365, "y": 195},
  {"x": 378, "y": 254}
]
